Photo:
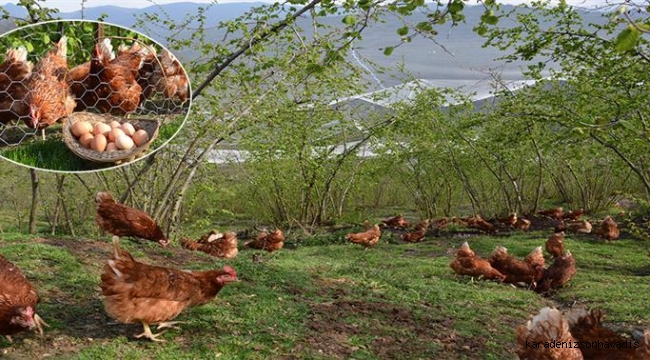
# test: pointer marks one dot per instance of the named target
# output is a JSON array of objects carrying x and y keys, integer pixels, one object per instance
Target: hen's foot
[{"x": 149, "y": 335}]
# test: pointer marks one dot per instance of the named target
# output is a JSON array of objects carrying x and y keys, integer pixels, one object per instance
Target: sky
[{"x": 74, "y": 5}]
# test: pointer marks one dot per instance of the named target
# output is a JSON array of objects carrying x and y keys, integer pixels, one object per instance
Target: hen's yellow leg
[
  {"x": 169, "y": 325},
  {"x": 147, "y": 333}
]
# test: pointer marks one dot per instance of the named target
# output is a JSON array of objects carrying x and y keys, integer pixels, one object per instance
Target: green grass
[
  {"x": 53, "y": 154},
  {"x": 323, "y": 301}
]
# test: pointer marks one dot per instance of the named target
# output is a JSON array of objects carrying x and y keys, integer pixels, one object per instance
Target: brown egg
[
  {"x": 114, "y": 134},
  {"x": 101, "y": 128},
  {"x": 114, "y": 124},
  {"x": 111, "y": 146},
  {"x": 85, "y": 140},
  {"x": 128, "y": 129},
  {"x": 81, "y": 127},
  {"x": 98, "y": 143},
  {"x": 140, "y": 137},
  {"x": 124, "y": 142}
]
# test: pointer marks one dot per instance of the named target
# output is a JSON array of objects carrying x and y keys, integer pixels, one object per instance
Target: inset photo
[{"x": 80, "y": 95}]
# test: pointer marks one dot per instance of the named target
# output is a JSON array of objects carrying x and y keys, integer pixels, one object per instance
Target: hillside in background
[{"x": 458, "y": 54}]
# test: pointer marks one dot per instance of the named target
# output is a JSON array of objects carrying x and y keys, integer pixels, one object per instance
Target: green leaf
[
  {"x": 389, "y": 50},
  {"x": 403, "y": 31},
  {"x": 627, "y": 39},
  {"x": 364, "y": 4},
  {"x": 349, "y": 20},
  {"x": 456, "y": 7},
  {"x": 424, "y": 26},
  {"x": 46, "y": 38}
]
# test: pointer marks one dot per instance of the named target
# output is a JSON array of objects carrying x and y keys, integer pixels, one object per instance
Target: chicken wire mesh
[{"x": 52, "y": 70}]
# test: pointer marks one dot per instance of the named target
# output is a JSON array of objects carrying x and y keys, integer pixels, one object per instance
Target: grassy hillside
[{"x": 324, "y": 301}]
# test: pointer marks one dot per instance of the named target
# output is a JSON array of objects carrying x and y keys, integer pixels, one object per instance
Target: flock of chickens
[
  {"x": 42, "y": 94},
  {"x": 135, "y": 292}
]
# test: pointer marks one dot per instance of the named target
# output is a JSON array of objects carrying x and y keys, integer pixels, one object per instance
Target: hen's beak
[{"x": 39, "y": 324}]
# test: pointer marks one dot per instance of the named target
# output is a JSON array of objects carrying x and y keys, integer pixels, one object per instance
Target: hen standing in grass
[
  {"x": 14, "y": 72},
  {"x": 121, "y": 220},
  {"x": 18, "y": 300},
  {"x": 137, "y": 292},
  {"x": 48, "y": 95}
]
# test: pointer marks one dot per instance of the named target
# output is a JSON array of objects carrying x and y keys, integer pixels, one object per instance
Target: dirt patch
[
  {"x": 91, "y": 251},
  {"x": 397, "y": 332}
]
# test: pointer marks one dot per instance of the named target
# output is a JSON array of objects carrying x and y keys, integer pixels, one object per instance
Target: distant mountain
[
  {"x": 458, "y": 55},
  {"x": 126, "y": 16}
]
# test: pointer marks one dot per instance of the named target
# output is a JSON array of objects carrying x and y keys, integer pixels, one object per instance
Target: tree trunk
[{"x": 32, "y": 211}]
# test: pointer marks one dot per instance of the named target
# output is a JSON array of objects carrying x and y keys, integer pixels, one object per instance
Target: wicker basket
[{"x": 118, "y": 156}]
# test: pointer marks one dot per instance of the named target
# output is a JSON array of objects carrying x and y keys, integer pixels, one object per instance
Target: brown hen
[
  {"x": 109, "y": 85},
  {"x": 418, "y": 234},
  {"x": 555, "y": 244},
  {"x": 528, "y": 271},
  {"x": 18, "y": 300},
  {"x": 223, "y": 247},
  {"x": 121, "y": 220},
  {"x": 137, "y": 292},
  {"x": 558, "y": 274},
  {"x": 579, "y": 227},
  {"x": 14, "y": 72},
  {"x": 546, "y": 327},
  {"x": 554, "y": 213},
  {"x": 608, "y": 229},
  {"x": 586, "y": 326},
  {"x": 398, "y": 222},
  {"x": 48, "y": 95},
  {"x": 267, "y": 241},
  {"x": 368, "y": 238},
  {"x": 522, "y": 224},
  {"x": 574, "y": 215},
  {"x": 468, "y": 263}
]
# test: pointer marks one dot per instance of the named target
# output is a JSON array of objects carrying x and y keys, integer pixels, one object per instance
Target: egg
[
  {"x": 81, "y": 127},
  {"x": 111, "y": 146},
  {"x": 140, "y": 137},
  {"x": 114, "y": 134},
  {"x": 128, "y": 129},
  {"x": 101, "y": 128},
  {"x": 85, "y": 140},
  {"x": 124, "y": 142},
  {"x": 98, "y": 143},
  {"x": 114, "y": 124}
]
